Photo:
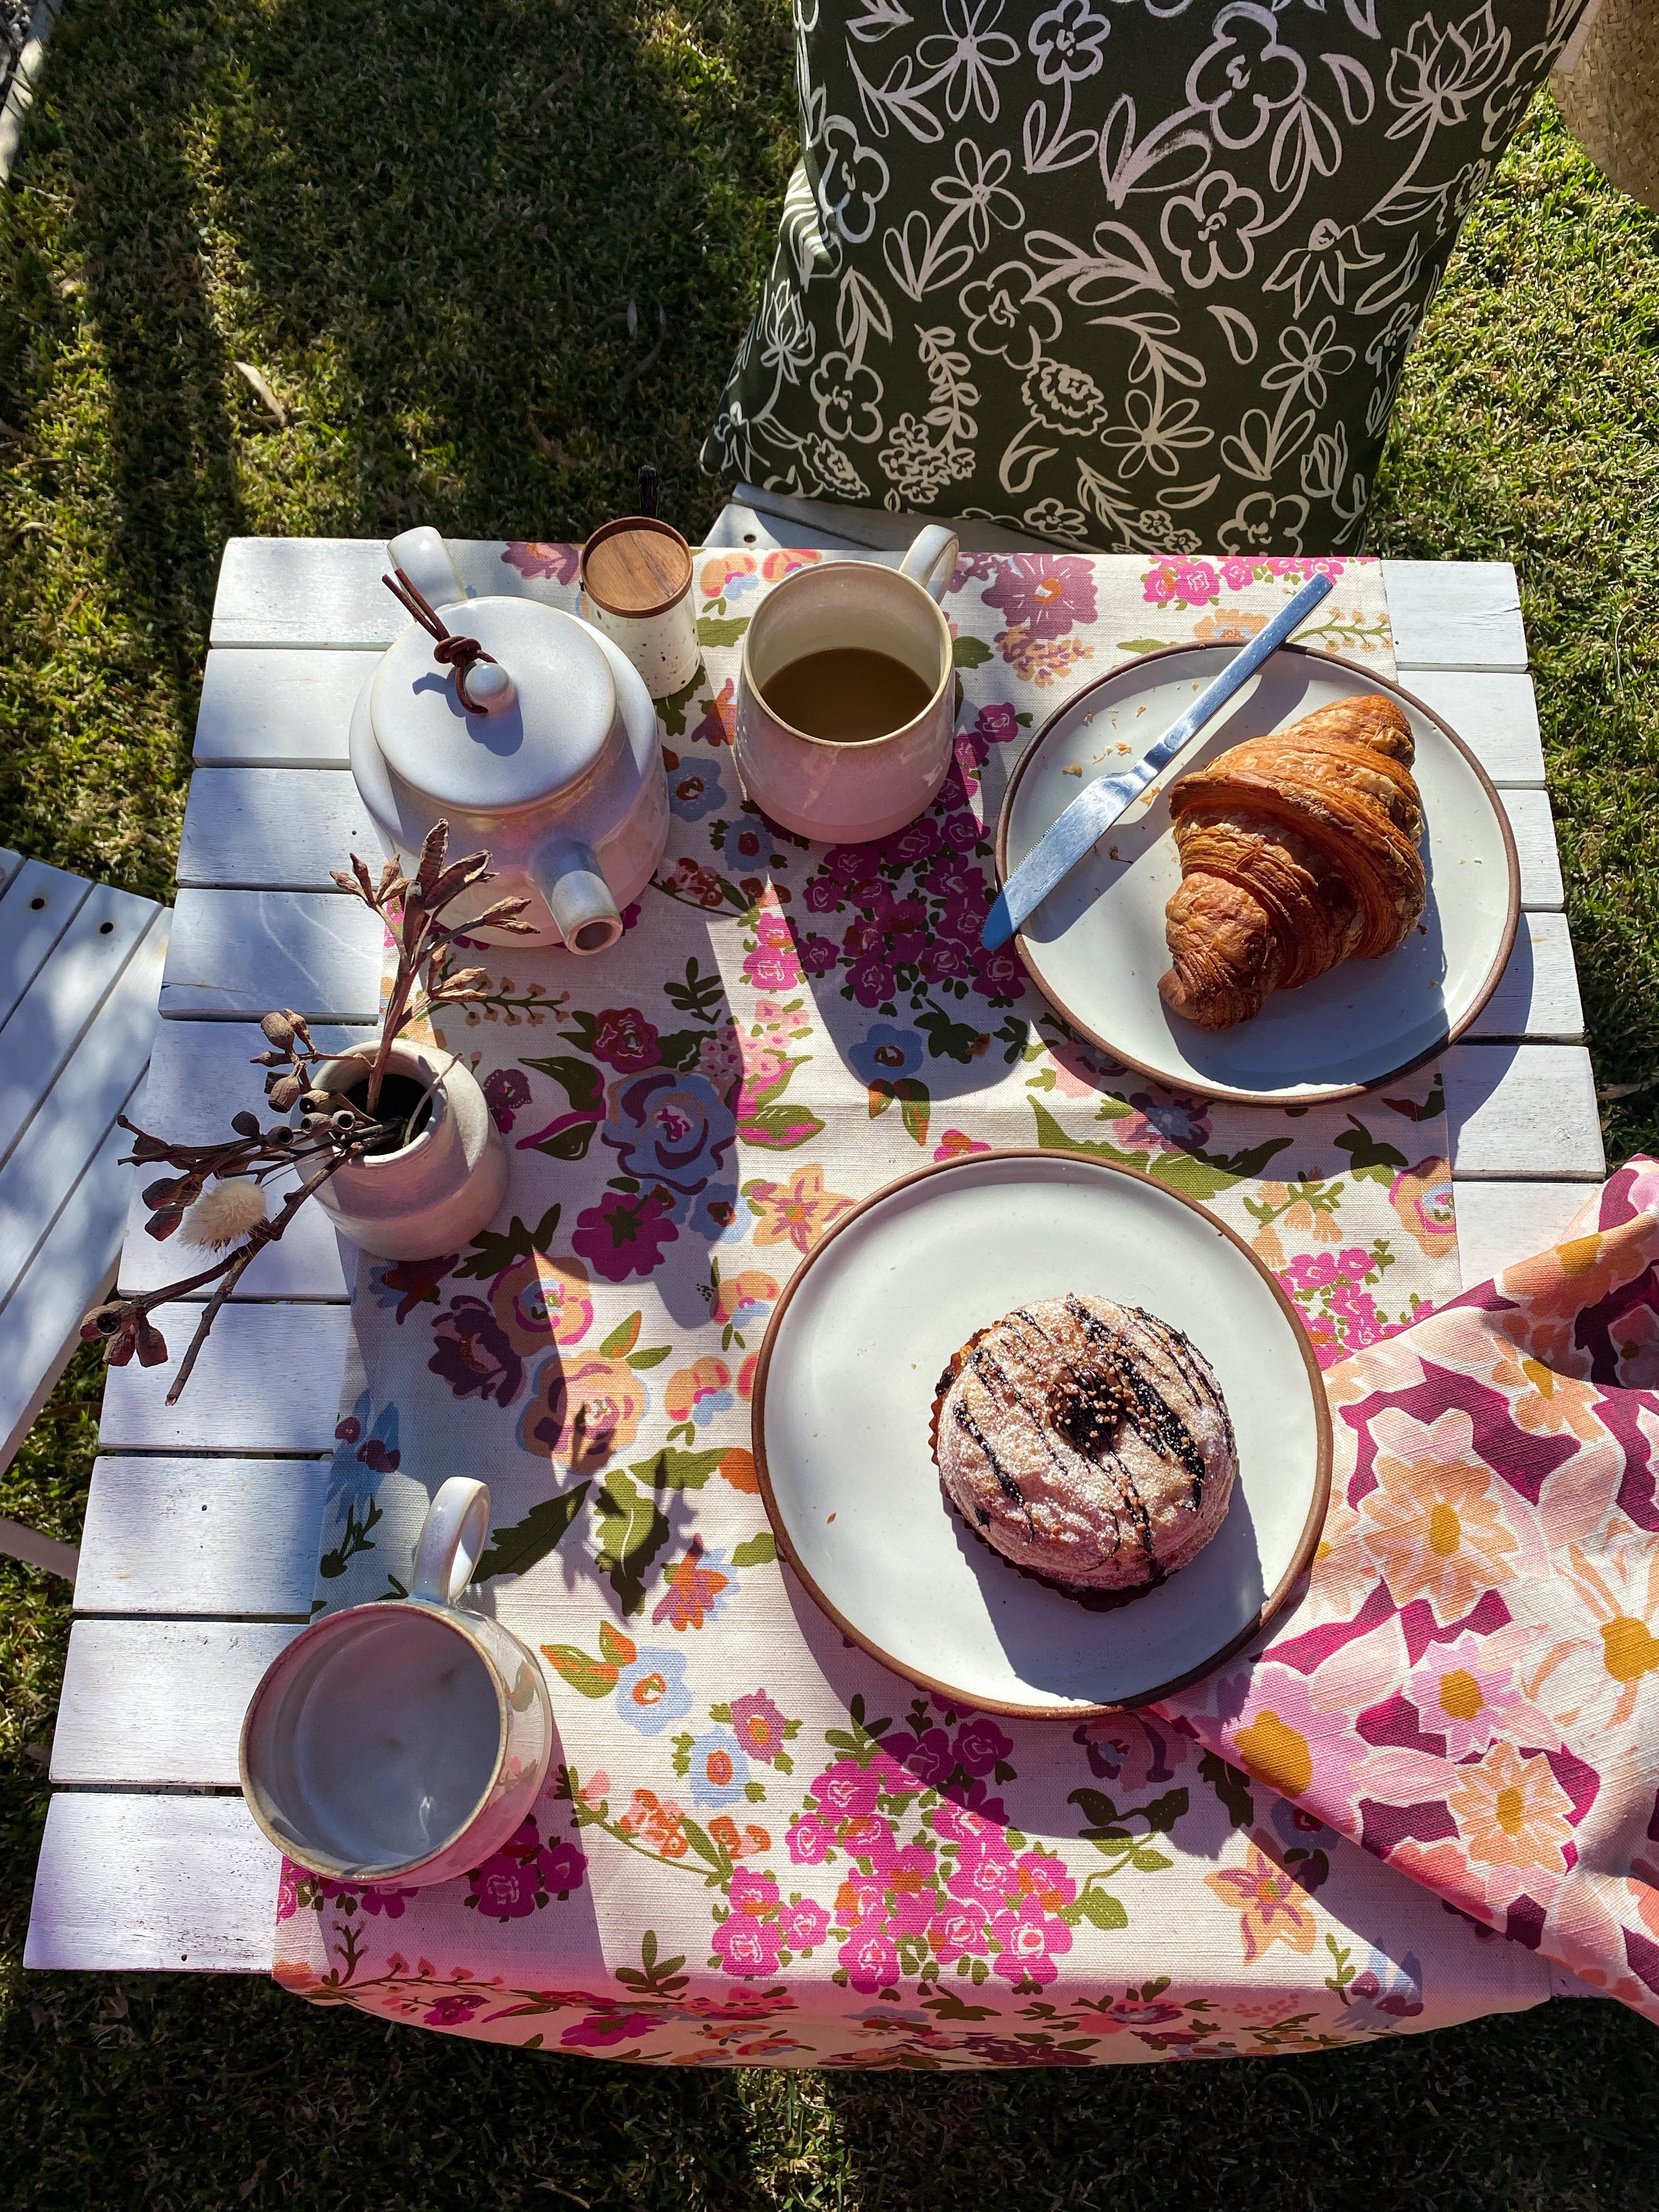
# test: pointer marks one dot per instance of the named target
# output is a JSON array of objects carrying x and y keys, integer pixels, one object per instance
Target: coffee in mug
[{"x": 847, "y": 694}]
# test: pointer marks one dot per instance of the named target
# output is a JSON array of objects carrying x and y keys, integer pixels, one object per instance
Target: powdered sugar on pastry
[{"x": 1088, "y": 1441}]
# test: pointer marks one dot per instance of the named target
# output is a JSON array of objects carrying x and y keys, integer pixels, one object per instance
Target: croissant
[{"x": 1298, "y": 851}]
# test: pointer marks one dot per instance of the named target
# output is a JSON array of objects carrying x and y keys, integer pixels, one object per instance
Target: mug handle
[
  {"x": 932, "y": 559},
  {"x": 452, "y": 1540}
]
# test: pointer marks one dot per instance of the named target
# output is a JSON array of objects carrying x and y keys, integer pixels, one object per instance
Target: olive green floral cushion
[{"x": 1137, "y": 274}]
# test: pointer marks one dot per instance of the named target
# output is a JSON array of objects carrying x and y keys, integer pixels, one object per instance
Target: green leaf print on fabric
[
  {"x": 633, "y": 1529},
  {"x": 495, "y": 1251},
  {"x": 583, "y": 1083},
  {"x": 1231, "y": 1786},
  {"x": 1371, "y": 1157},
  {"x": 680, "y": 1470},
  {"x": 513, "y": 1550},
  {"x": 760, "y": 1551}
]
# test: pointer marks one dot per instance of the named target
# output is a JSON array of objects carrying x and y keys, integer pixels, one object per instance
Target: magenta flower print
[
  {"x": 930, "y": 1757},
  {"x": 809, "y": 1840},
  {"x": 625, "y": 1233},
  {"x": 454, "y": 2010},
  {"x": 563, "y": 1867},
  {"x": 1045, "y": 594},
  {"x": 1030, "y": 1939},
  {"x": 995, "y": 724},
  {"x": 870, "y": 1955},
  {"x": 745, "y": 1945},
  {"x": 471, "y": 1353},
  {"x": 624, "y": 1039},
  {"x": 805, "y": 1925},
  {"x": 911, "y": 1896},
  {"x": 506, "y": 1089},
  {"x": 507, "y": 1888},
  {"x": 958, "y": 1930},
  {"x": 602, "y": 2030},
  {"x": 981, "y": 1745}
]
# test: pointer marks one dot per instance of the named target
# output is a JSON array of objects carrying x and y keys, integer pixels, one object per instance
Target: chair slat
[{"x": 38, "y": 905}]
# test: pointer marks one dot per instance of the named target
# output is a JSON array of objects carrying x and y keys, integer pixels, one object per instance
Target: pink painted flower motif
[
  {"x": 957, "y": 1930},
  {"x": 720, "y": 719},
  {"x": 1029, "y": 1938},
  {"x": 870, "y": 1955},
  {"x": 980, "y": 1746},
  {"x": 454, "y": 2010},
  {"x": 535, "y": 558},
  {"x": 1462, "y": 1695},
  {"x": 696, "y": 1589},
  {"x": 624, "y": 1039},
  {"x": 772, "y": 966},
  {"x": 625, "y": 1233},
  {"x": 809, "y": 1840},
  {"x": 1422, "y": 1197},
  {"x": 1045, "y": 593},
  {"x": 912, "y": 1898},
  {"x": 805, "y": 1925},
  {"x": 956, "y": 1144}
]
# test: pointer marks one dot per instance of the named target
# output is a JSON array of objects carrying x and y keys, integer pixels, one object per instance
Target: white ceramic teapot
[{"x": 532, "y": 735}]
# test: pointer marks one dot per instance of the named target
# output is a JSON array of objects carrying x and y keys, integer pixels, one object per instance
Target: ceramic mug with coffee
[
  {"x": 847, "y": 694},
  {"x": 401, "y": 1742}
]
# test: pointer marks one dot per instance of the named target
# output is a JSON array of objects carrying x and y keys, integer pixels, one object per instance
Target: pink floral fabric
[
  {"x": 757, "y": 1847},
  {"x": 1469, "y": 1686}
]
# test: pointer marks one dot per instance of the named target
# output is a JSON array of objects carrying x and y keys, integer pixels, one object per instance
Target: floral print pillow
[{"x": 1134, "y": 274}]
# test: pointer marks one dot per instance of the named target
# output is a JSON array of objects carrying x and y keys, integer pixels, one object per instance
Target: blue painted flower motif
[
  {"x": 1178, "y": 1121},
  {"x": 693, "y": 792},
  {"x": 653, "y": 1692},
  {"x": 715, "y": 1216},
  {"x": 361, "y": 1459},
  {"x": 887, "y": 1054},
  {"x": 719, "y": 1770},
  {"x": 670, "y": 1129},
  {"x": 1385, "y": 1993}
]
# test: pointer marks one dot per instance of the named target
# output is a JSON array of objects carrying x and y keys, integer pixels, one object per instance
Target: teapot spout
[{"x": 567, "y": 873}]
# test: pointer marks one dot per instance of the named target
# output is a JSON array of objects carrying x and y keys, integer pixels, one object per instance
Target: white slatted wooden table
[{"x": 201, "y": 1535}]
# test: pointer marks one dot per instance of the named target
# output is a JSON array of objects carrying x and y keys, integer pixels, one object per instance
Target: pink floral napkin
[{"x": 1470, "y": 1686}]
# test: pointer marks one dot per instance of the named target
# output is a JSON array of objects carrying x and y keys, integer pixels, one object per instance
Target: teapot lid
[{"x": 549, "y": 726}]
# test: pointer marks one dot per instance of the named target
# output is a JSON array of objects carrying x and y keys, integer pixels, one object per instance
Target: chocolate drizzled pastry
[{"x": 1087, "y": 1441}]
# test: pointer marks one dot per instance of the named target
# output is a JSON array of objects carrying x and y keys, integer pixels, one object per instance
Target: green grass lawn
[{"x": 491, "y": 259}]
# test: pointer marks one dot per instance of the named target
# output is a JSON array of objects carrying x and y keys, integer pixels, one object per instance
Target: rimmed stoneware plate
[
  {"x": 845, "y": 1391},
  {"x": 1095, "y": 948}
]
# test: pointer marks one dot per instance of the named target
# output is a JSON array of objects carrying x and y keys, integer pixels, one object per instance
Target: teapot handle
[{"x": 425, "y": 559}]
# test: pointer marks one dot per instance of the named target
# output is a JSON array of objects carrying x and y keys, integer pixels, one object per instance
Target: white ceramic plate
[
  {"x": 1095, "y": 947},
  {"x": 845, "y": 1391}
]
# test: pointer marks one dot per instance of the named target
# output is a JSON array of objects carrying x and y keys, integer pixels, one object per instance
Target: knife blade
[{"x": 1094, "y": 811}]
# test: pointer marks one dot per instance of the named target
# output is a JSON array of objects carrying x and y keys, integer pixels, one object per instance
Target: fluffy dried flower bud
[{"x": 224, "y": 1216}]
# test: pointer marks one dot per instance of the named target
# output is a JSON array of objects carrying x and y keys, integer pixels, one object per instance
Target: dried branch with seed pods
[{"x": 215, "y": 1198}]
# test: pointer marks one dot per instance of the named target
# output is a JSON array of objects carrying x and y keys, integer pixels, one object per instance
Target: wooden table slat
[
  {"x": 279, "y": 709},
  {"x": 1520, "y": 1111},
  {"x": 1499, "y": 1223},
  {"x": 1537, "y": 996},
  {"x": 1496, "y": 715},
  {"x": 235, "y": 955},
  {"x": 282, "y": 829},
  {"x": 130, "y": 1883},
  {"x": 160, "y": 1703},
  {"x": 1455, "y": 614},
  {"x": 268, "y": 1381},
  {"x": 203, "y": 1538}
]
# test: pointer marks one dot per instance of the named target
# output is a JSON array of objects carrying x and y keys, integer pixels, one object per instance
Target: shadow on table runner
[{"x": 764, "y": 1848}]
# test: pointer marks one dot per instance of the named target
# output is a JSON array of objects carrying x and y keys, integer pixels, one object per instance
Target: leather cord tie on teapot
[{"x": 450, "y": 650}]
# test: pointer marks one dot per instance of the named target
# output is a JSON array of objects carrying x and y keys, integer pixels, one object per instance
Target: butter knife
[{"x": 1094, "y": 811}]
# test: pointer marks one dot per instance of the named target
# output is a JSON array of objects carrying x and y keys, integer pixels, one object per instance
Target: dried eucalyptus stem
[{"x": 215, "y": 1195}]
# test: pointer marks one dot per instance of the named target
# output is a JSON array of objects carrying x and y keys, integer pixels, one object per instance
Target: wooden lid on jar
[{"x": 636, "y": 566}]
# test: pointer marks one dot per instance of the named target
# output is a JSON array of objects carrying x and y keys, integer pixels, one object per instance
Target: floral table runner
[{"x": 760, "y": 1846}]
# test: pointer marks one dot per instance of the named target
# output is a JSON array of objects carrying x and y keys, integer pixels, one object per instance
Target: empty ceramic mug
[
  {"x": 401, "y": 1742},
  {"x": 847, "y": 789}
]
